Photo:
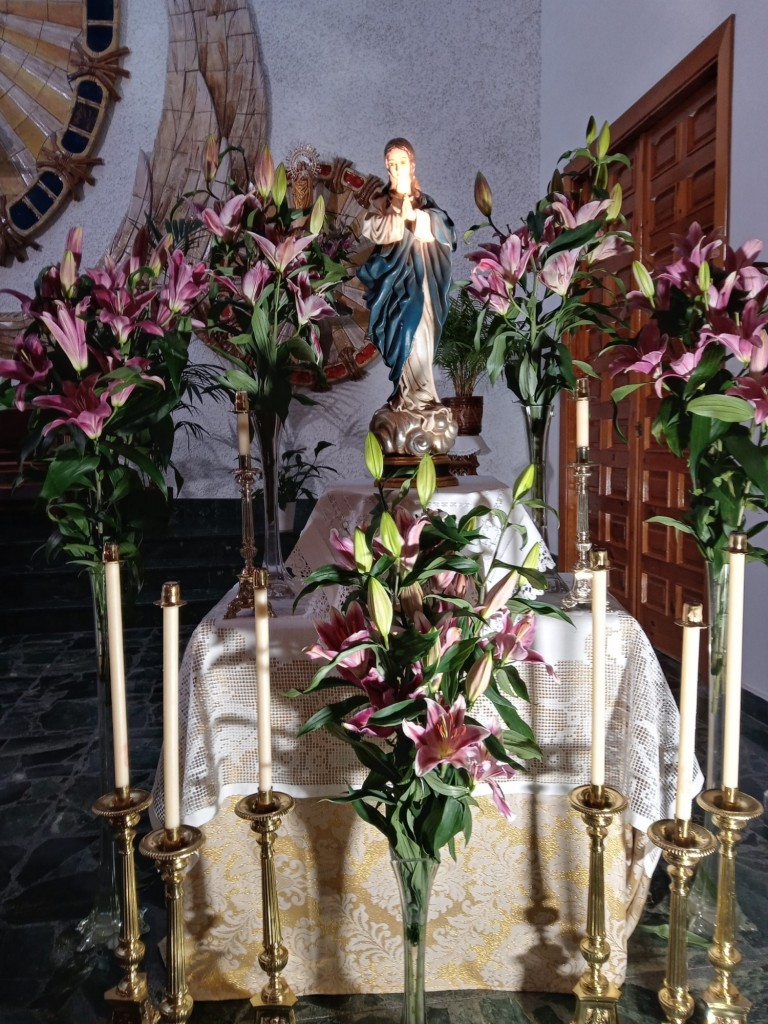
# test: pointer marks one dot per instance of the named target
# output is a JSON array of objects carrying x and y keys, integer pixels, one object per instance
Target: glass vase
[
  {"x": 717, "y": 582},
  {"x": 415, "y": 876},
  {"x": 702, "y": 902},
  {"x": 268, "y": 429},
  {"x": 538, "y": 419},
  {"x": 101, "y": 928}
]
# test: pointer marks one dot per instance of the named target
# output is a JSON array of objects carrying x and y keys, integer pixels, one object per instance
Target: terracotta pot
[{"x": 467, "y": 411}]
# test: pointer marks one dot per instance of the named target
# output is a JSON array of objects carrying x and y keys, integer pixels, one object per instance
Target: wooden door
[{"x": 678, "y": 139}]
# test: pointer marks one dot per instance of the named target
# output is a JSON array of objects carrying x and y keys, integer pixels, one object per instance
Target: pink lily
[
  {"x": 557, "y": 273},
  {"x": 755, "y": 391},
  {"x": 644, "y": 356},
  {"x": 445, "y": 739},
  {"x": 344, "y": 548},
  {"x": 490, "y": 288},
  {"x": 587, "y": 212},
  {"x": 68, "y": 329},
  {"x": 31, "y": 366},
  {"x": 749, "y": 279},
  {"x": 491, "y": 772},
  {"x": 282, "y": 254},
  {"x": 121, "y": 390},
  {"x": 682, "y": 367},
  {"x": 344, "y": 631},
  {"x": 409, "y": 527},
  {"x": 309, "y": 305},
  {"x": 185, "y": 283},
  {"x": 223, "y": 220},
  {"x": 512, "y": 642},
  {"x": 81, "y": 406},
  {"x": 508, "y": 259},
  {"x": 609, "y": 246},
  {"x": 744, "y": 338}
]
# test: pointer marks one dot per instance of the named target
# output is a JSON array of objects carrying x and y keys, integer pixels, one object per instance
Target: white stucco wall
[{"x": 602, "y": 62}]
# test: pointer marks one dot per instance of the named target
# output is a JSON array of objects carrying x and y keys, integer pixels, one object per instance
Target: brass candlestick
[
  {"x": 265, "y": 811},
  {"x": 173, "y": 851},
  {"x": 731, "y": 811},
  {"x": 683, "y": 844},
  {"x": 596, "y": 996},
  {"x": 129, "y": 999}
]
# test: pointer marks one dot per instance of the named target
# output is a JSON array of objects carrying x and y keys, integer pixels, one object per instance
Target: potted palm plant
[{"x": 463, "y": 354}]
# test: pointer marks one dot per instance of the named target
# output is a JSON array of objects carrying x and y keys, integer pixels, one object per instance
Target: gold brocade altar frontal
[{"x": 512, "y": 921}]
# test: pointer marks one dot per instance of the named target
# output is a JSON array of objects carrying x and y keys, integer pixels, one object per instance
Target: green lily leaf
[
  {"x": 729, "y": 408},
  {"x": 66, "y": 473}
]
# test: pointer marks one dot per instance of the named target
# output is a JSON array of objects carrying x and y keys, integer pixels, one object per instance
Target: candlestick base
[
  {"x": 731, "y": 812},
  {"x": 174, "y": 851},
  {"x": 581, "y": 587},
  {"x": 265, "y": 811},
  {"x": 596, "y": 996},
  {"x": 682, "y": 845},
  {"x": 129, "y": 999}
]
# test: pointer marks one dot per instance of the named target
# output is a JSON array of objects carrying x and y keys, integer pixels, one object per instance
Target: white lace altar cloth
[{"x": 508, "y": 915}]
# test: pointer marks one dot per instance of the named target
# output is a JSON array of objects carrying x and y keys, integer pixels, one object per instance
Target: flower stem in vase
[
  {"x": 415, "y": 876},
  {"x": 269, "y": 429},
  {"x": 538, "y": 419}
]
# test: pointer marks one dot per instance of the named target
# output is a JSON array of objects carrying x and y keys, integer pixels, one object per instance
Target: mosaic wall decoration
[{"x": 59, "y": 65}]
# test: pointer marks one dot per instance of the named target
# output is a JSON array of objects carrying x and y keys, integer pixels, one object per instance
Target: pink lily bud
[
  {"x": 68, "y": 274},
  {"x": 74, "y": 243},
  {"x": 499, "y": 594},
  {"x": 264, "y": 172},
  {"x": 210, "y": 159},
  {"x": 411, "y": 600},
  {"x": 478, "y": 677}
]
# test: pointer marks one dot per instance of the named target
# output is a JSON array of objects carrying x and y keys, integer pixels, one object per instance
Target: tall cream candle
[
  {"x": 170, "y": 601},
  {"x": 599, "y": 599},
  {"x": 734, "y": 635},
  {"x": 263, "y": 694},
  {"x": 116, "y": 664},
  {"x": 692, "y": 623},
  {"x": 243, "y": 423},
  {"x": 582, "y": 413}
]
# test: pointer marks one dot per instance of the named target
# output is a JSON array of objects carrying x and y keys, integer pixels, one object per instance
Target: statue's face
[{"x": 400, "y": 171}]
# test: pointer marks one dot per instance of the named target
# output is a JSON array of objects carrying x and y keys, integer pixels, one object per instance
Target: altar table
[{"x": 507, "y": 915}]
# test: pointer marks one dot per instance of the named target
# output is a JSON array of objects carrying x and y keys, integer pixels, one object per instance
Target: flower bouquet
[
  {"x": 704, "y": 350},
  {"x": 539, "y": 283},
  {"x": 429, "y": 653},
  {"x": 270, "y": 288},
  {"x": 102, "y": 367}
]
